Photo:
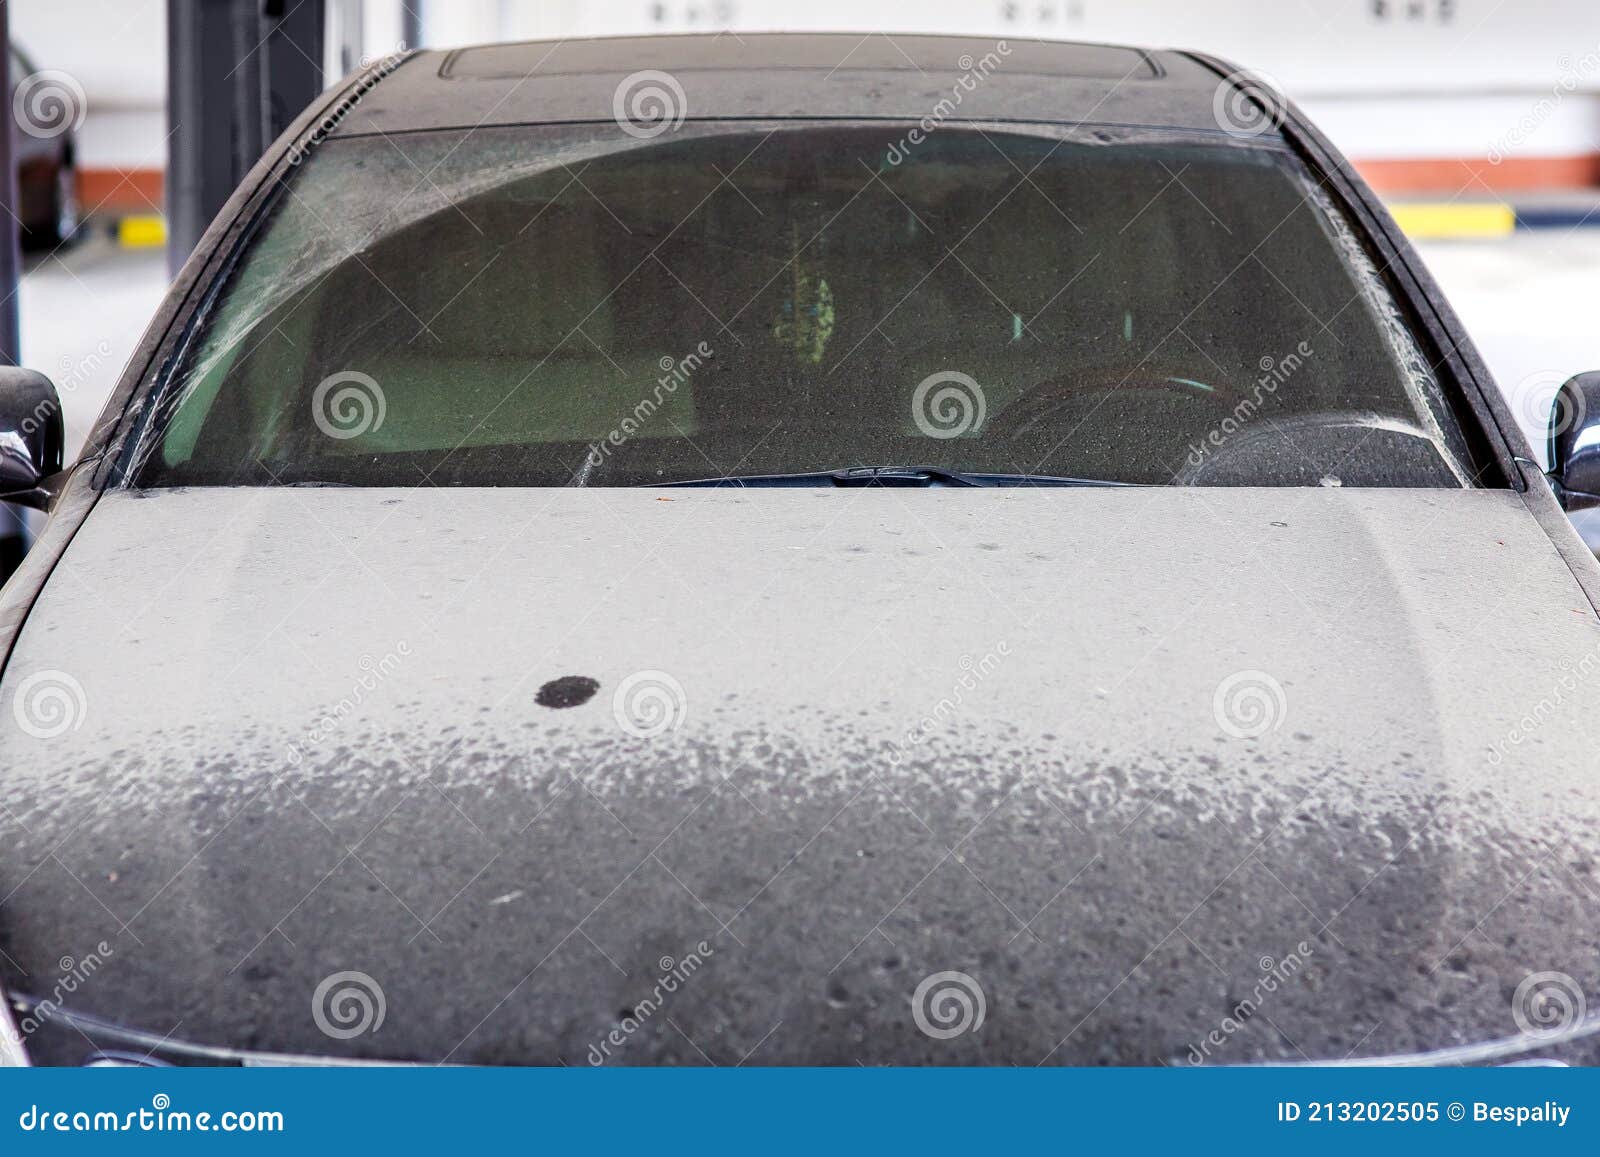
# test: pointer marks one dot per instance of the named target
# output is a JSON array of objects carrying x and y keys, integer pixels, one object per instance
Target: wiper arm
[
  {"x": 899, "y": 476},
  {"x": 1499, "y": 1048},
  {"x": 98, "y": 1029}
]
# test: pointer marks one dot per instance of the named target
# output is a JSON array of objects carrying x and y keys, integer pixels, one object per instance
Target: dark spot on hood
[{"x": 567, "y": 691}]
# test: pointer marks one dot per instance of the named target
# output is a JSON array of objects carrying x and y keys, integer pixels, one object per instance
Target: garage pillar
[
  {"x": 13, "y": 528},
  {"x": 10, "y": 239},
  {"x": 411, "y": 23},
  {"x": 238, "y": 73}
]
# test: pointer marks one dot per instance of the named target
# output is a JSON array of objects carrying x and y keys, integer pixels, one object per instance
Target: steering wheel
[
  {"x": 1342, "y": 435},
  {"x": 1040, "y": 402}
]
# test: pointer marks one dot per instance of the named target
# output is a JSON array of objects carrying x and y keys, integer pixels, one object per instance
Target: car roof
[{"x": 782, "y": 75}]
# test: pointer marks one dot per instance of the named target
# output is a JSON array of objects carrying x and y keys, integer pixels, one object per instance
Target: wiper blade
[
  {"x": 898, "y": 476},
  {"x": 1500, "y": 1048},
  {"x": 98, "y": 1029}
]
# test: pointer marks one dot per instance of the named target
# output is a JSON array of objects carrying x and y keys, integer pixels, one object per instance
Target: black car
[
  {"x": 46, "y": 109},
  {"x": 801, "y": 549}
]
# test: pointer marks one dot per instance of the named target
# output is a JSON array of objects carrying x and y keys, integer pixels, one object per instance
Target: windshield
[{"x": 552, "y": 306}]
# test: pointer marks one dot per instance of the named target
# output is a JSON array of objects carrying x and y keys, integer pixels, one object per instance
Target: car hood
[{"x": 947, "y": 776}]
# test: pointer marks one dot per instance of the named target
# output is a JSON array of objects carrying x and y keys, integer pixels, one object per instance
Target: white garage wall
[
  {"x": 1383, "y": 77},
  {"x": 117, "y": 50},
  {"x": 1316, "y": 45}
]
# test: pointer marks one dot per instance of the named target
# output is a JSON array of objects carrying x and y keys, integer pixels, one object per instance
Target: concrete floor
[
  {"x": 1531, "y": 301},
  {"x": 83, "y": 310}
]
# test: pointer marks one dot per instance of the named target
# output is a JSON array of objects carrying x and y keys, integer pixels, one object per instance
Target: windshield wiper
[
  {"x": 901, "y": 476},
  {"x": 1497, "y": 1049},
  {"x": 103, "y": 1036}
]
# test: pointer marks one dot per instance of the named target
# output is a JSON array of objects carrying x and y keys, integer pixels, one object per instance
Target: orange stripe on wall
[
  {"x": 1469, "y": 175},
  {"x": 118, "y": 191}
]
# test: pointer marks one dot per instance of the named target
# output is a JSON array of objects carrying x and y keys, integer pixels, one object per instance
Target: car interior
[{"x": 1113, "y": 304}]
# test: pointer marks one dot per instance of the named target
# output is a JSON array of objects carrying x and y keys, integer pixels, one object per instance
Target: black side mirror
[
  {"x": 1574, "y": 445},
  {"x": 31, "y": 435}
]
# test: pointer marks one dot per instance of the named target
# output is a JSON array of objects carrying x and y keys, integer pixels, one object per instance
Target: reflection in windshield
[{"x": 558, "y": 307}]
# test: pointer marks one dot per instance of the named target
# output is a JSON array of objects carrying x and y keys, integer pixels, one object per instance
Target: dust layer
[{"x": 533, "y": 898}]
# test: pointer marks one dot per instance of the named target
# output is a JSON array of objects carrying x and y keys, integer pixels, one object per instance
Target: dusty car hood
[{"x": 1118, "y": 757}]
